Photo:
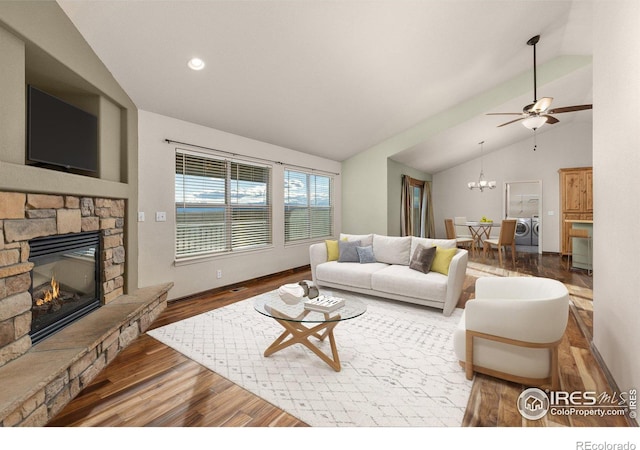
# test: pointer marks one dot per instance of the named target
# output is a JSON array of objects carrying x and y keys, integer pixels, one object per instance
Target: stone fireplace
[
  {"x": 26, "y": 218},
  {"x": 73, "y": 245}
]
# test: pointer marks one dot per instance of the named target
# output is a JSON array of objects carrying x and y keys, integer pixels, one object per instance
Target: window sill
[
  {"x": 307, "y": 242},
  {"x": 217, "y": 256}
]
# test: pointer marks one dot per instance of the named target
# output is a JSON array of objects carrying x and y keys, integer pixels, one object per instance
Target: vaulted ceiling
[{"x": 335, "y": 78}]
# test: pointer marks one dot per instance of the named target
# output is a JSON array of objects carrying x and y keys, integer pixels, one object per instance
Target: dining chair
[
  {"x": 506, "y": 238},
  {"x": 465, "y": 242},
  {"x": 462, "y": 230}
]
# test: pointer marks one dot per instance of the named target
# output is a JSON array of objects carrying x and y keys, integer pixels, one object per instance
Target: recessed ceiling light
[{"x": 196, "y": 64}]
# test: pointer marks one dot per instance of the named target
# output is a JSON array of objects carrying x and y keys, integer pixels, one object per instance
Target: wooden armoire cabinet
[{"x": 576, "y": 200}]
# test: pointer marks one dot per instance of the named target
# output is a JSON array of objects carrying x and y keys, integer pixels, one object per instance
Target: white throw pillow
[
  {"x": 392, "y": 249},
  {"x": 365, "y": 239}
]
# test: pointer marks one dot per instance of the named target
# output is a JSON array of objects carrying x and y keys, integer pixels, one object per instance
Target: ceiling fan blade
[
  {"x": 569, "y": 109},
  {"x": 551, "y": 119},
  {"x": 541, "y": 105},
  {"x": 512, "y": 121},
  {"x": 504, "y": 114}
]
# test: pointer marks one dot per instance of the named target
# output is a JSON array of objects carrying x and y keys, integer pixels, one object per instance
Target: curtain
[
  {"x": 428, "y": 226},
  {"x": 408, "y": 225},
  {"x": 406, "y": 222}
]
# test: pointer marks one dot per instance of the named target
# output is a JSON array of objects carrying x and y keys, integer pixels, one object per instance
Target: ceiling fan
[{"x": 536, "y": 114}]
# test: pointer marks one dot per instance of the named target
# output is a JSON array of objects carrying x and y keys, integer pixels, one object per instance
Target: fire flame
[{"x": 50, "y": 294}]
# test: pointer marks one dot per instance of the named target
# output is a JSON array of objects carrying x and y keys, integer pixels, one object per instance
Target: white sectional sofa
[{"x": 390, "y": 275}]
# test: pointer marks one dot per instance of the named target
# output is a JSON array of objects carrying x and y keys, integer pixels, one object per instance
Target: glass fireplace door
[{"x": 64, "y": 281}]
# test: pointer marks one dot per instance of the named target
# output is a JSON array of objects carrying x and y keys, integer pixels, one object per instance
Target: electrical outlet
[
  {"x": 551, "y": 213},
  {"x": 219, "y": 273},
  {"x": 161, "y": 216},
  {"x": 140, "y": 216}
]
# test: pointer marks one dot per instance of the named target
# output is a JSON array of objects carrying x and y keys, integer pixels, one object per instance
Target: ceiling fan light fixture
[
  {"x": 534, "y": 122},
  {"x": 534, "y": 115}
]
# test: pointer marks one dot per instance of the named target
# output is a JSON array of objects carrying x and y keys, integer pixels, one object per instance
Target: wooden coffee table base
[{"x": 299, "y": 334}]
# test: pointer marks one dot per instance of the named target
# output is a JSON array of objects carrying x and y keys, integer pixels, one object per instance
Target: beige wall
[
  {"x": 156, "y": 186},
  {"x": 12, "y": 112},
  {"x": 40, "y": 45},
  {"x": 364, "y": 194},
  {"x": 616, "y": 159}
]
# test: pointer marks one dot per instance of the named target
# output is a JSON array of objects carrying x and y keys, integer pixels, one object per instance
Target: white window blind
[
  {"x": 308, "y": 206},
  {"x": 221, "y": 205}
]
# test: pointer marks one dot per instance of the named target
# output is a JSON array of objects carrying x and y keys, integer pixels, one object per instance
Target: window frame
[
  {"x": 229, "y": 207},
  {"x": 416, "y": 211},
  {"x": 310, "y": 237}
]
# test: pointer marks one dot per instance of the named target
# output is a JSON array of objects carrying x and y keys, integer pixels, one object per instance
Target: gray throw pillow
[
  {"x": 423, "y": 258},
  {"x": 348, "y": 252},
  {"x": 366, "y": 254}
]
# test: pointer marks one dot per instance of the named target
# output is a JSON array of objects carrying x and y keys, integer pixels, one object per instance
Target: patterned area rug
[{"x": 398, "y": 365}]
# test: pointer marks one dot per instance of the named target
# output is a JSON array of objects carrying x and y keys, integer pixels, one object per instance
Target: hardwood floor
[{"x": 150, "y": 384}]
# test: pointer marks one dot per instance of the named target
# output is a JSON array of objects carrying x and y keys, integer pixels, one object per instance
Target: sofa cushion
[
  {"x": 392, "y": 249},
  {"x": 348, "y": 252},
  {"x": 403, "y": 280},
  {"x": 422, "y": 258},
  {"x": 366, "y": 254},
  {"x": 428, "y": 242},
  {"x": 365, "y": 239},
  {"x": 348, "y": 274}
]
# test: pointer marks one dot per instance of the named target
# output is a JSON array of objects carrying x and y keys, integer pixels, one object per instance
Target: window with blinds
[
  {"x": 221, "y": 206},
  {"x": 308, "y": 206}
]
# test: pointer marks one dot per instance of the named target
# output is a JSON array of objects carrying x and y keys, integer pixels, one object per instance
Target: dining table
[{"x": 479, "y": 232}]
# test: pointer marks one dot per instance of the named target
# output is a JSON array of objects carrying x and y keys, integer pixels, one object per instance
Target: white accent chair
[{"x": 512, "y": 329}]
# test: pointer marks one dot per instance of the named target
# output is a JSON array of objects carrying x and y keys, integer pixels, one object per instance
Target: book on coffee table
[{"x": 324, "y": 303}]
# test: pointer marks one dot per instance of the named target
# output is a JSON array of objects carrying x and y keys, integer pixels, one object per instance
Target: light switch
[
  {"x": 551, "y": 213},
  {"x": 140, "y": 216},
  {"x": 161, "y": 216}
]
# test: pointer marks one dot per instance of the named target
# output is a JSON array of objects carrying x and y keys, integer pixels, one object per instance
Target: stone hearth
[{"x": 38, "y": 384}]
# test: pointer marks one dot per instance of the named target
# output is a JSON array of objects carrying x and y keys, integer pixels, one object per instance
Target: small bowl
[{"x": 291, "y": 293}]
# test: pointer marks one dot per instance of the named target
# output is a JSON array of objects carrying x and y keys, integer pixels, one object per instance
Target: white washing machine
[
  {"x": 535, "y": 225},
  {"x": 523, "y": 231}
]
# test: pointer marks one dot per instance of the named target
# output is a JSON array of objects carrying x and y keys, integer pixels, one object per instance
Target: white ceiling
[{"x": 334, "y": 78}]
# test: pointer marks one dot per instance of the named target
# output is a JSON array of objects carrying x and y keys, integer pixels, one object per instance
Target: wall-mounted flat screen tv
[{"x": 60, "y": 134}]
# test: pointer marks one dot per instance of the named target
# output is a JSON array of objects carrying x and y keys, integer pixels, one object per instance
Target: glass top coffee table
[{"x": 300, "y": 324}]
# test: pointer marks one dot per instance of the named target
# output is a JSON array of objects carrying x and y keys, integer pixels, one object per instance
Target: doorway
[{"x": 523, "y": 202}]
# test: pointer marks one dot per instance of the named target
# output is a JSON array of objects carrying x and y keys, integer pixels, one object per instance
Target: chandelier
[{"x": 481, "y": 184}]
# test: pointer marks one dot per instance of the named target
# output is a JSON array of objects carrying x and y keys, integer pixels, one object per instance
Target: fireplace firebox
[{"x": 65, "y": 281}]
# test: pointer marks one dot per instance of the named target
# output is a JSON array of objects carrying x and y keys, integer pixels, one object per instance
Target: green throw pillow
[
  {"x": 333, "y": 251},
  {"x": 443, "y": 259}
]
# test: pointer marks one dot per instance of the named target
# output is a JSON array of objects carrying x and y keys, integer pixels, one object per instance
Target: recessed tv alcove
[{"x": 60, "y": 135}]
